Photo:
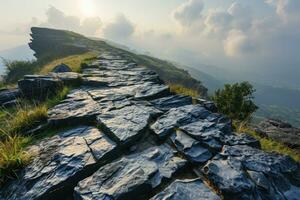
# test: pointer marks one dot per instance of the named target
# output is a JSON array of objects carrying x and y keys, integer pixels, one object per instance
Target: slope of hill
[
  {"x": 49, "y": 43},
  {"x": 127, "y": 137}
]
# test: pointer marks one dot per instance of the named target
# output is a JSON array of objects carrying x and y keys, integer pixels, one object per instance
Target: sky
[{"x": 259, "y": 37}]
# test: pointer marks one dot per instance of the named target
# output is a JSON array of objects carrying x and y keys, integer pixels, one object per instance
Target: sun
[{"x": 87, "y": 7}]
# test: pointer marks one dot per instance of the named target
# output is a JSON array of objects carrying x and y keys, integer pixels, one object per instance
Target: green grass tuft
[
  {"x": 12, "y": 156},
  {"x": 179, "y": 89},
  {"x": 14, "y": 123}
]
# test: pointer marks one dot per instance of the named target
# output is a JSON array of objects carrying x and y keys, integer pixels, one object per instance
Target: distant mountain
[
  {"x": 22, "y": 52},
  {"x": 274, "y": 102}
]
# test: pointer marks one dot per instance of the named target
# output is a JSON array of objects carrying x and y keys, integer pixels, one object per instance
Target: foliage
[
  {"x": 268, "y": 144},
  {"x": 26, "y": 117},
  {"x": 16, "y": 69},
  {"x": 179, "y": 89},
  {"x": 12, "y": 156},
  {"x": 14, "y": 122},
  {"x": 236, "y": 100}
]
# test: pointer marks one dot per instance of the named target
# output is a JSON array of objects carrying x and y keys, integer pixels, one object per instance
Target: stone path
[{"x": 130, "y": 138}]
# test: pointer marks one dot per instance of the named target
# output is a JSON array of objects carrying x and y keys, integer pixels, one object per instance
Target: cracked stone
[
  {"x": 60, "y": 162},
  {"x": 131, "y": 177},
  {"x": 187, "y": 190}
]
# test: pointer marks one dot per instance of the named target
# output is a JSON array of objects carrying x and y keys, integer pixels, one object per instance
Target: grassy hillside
[{"x": 49, "y": 43}]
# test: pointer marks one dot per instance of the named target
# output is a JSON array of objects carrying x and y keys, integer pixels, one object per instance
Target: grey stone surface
[
  {"x": 78, "y": 108},
  {"x": 147, "y": 143},
  {"x": 60, "y": 162},
  {"x": 174, "y": 101},
  {"x": 177, "y": 117},
  {"x": 68, "y": 78},
  {"x": 190, "y": 147},
  {"x": 243, "y": 172},
  {"x": 8, "y": 95},
  {"x": 39, "y": 87},
  {"x": 128, "y": 123},
  {"x": 131, "y": 177},
  {"x": 187, "y": 190},
  {"x": 280, "y": 131}
]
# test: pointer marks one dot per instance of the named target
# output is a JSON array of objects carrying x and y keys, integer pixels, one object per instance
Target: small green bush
[
  {"x": 16, "y": 69},
  {"x": 236, "y": 101}
]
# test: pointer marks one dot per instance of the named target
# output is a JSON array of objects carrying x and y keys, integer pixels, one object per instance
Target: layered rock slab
[
  {"x": 190, "y": 147},
  {"x": 129, "y": 123},
  {"x": 60, "y": 162},
  {"x": 177, "y": 117},
  {"x": 131, "y": 177},
  {"x": 187, "y": 190},
  {"x": 77, "y": 108},
  {"x": 243, "y": 172}
]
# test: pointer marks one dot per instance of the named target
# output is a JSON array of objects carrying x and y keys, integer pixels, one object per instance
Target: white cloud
[
  {"x": 237, "y": 43},
  {"x": 58, "y": 19},
  {"x": 120, "y": 29},
  {"x": 189, "y": 12},
  {"x": 217, "y": 21}
]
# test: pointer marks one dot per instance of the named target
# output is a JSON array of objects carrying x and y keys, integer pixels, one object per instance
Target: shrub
[
  {"x": 16, "y": 69},
  {"x": 236, "y": 101}
]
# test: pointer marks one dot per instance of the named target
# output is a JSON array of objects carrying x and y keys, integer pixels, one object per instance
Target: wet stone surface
[{"x": 127, "y": 137}]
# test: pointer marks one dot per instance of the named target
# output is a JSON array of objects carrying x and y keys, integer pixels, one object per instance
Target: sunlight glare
[{"x": 87, "y": 7}]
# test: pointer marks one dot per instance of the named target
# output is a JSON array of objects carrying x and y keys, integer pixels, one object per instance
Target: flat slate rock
[
  {"x": 128, "y": 123},
  {"x": 243, "y": 172},
  {"x": 59, "y": 163},
  {"x": 177, "y": 117},
  {"x": 79, "y": 107},
  {"x": 187, "y": 190},
  {"x": 190, "y": 147},
  {"x": 131, "y": 177},
  {"x": 68, "y": 78},
  {"x": 174, "y": 101}
]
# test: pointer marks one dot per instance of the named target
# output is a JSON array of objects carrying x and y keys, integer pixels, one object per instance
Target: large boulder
[
  {"x": 243, "y": 172},
  {"x": 280, "y": 131},
  {"x": 39, "y": 87},
  {"x": 61, "y": 68}
]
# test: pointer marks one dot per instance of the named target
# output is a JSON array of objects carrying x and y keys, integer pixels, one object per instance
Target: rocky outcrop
[
  {"x": 39, "y": 87},
  {"x": 8, "y": 97},
  {"x": 126, "y": 136},
  {"x": 280, "y": 131}
]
